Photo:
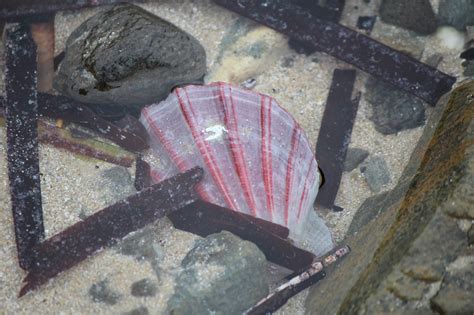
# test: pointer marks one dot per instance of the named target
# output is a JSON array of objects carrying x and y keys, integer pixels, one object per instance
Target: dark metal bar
[
  {"x": 133, "y": 138},
  {"x": 203, "y": 218},
  {"x": 335, "y": 134},
  {"x": 350, "y": 46},
  {"x": 21, "y": 114},
  {"x": 107, "y": 226}
]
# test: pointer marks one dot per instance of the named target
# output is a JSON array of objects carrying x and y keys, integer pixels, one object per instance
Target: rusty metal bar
[
  {"x": 106, "y": 227},
  {"x": 367, "y": 54},
  {"x": 335, "y": 134},
  {"x": 21, "y": 115}
]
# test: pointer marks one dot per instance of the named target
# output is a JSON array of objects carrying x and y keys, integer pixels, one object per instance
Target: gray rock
[
  {"x": 369, "y": 210},
  {"x": 468, "y": 68},
  {"x": 392, "y": 109},
  {"x": 457, "y": 292},
  {"x": 414, "y": 15},
  {"x": 470, "y": 235},
  {"x": 457, "y": 13},
  {"x": 102, "y": 293},
  {"x": 128, "y": 57},
  {"x": 141, "y": 310},
  {"x": 143, "y": 246},
  {"x": 144, "y": 287},
  {"x": 406, "y": 288},
  {"x": 375, "y": 172},
  {"x": 354, "y": 157},
  {"x": 118, "y": 180},
  {"x": 222, "y": 274}
]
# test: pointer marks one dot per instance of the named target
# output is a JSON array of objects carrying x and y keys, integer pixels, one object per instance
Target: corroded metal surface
[
  {"x": 21, "y": 112},
  {"x": 106, "y": 227},
  {"x": 347, "y": 45}
]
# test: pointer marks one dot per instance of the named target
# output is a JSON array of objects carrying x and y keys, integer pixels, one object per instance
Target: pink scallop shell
[{"x": 257, "y": 159}]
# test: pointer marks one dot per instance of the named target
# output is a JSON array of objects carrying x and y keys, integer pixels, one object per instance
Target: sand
[{"x": 71, "y": 185}]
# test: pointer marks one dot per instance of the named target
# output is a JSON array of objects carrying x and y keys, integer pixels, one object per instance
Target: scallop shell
[{"x": 257, "y": 159}]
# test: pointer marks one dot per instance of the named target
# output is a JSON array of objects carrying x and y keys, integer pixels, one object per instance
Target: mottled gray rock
[
  {"x": 354, "y": 157},
  {"x": 406, "y": 288},
  {"x": 102, "y": 293},
  {"x": 128, "y": 57},
  {"x": 222, "y": 274},
  {"x": 375, "y": 172},
  {"x": 470, "y": 235},
  {"x": 457, "y": 13},
  {"x": 392, "y": 109},
  {"x": 141, "y": 310},
  {"x": 457, "y": 291},
  {"x": 369, "y": 210},
  {"x": 415, "y": 15},
  {"x": 118, "y": 181},
  {"x": 143, "y": 246},
  {"x": 144, "y": 287}
]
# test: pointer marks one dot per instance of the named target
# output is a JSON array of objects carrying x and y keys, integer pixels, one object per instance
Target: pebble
[
  {"x": 222, "y": 274},
  {"x": 354, "y": 157},
  {"x": 457, "y": 13},
  {"x": 141, "y": 310},
  {"x": 470, "y": 236},
  {"x": 102, "y": 293},
  {"x": 457, "y": 291},
  {"x": 128, "y": 57},
  {"x": 417, "y": 16},
  {"x": 375, "y": 172},
  {"x": 393, "y": 110},
  {"x": 144, "y": 287}
]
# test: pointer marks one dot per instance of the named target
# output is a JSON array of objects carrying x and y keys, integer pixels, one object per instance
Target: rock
[
  {"x": 102, "y": 293},
  {"x": 118, "y": 181},
  {"x": 144, "y": 287},
  {"x": 392, "y": 109},
  {"x": 354, "y": 157},
  {"x": 434, "y": 60},
  {"x": 457, "y": 291},
  {"x": 222, "y": 274},
  {"x": 411, "y": 227},
  {"x": 434, "y": 249},
  {"x": 414, "y": 15},
  {"x": 141, "y": 310},
  {"x": 457, "y": 13},
  {"x": 470, "y": 236},
  {"x": 375, "y": 172},
  {"x": 461, "y": 202},
  {"x": 406, "y": 288},
  {"x": 369, "y": 210},
  {"x": 128, "y": 57},
  {"x": 468, "y": 68}
]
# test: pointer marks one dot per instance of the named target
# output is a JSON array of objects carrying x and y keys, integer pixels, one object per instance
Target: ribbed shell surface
[{"x": 257, "y": 159}]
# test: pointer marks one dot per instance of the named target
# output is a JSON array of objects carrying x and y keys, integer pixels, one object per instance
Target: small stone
[
  {"x": 375, "y": 172},
  {"x": 406, "y": 288},
  {"x": 118, "y": 180},
  {"x": 102, "y": 293},
  {"x": 434, "y": 60},
  {"x": 144, "y": 287},
  {"x": 470, "y": 236},
  {"x": 457, "y": 292},
  {"x": 354, "y": 157},
  {"x": 141, "y": 310},
  {"x": 222, "y": 274},
  {"x": 414, "y": 15},
  {"x": 461, "y": 202},
  {"x": 392, "y": 109},
  {"x": 127, "y": 57},
  {"x": 457, "y": 13}
]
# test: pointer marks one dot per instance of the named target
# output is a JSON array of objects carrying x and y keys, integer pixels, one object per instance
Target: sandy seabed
[{"x": 72, "y": 185}]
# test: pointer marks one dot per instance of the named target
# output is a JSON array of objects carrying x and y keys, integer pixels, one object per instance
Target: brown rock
[
  {"x": 406, "y": 288},
  {"x": 440, "y": 164}
]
